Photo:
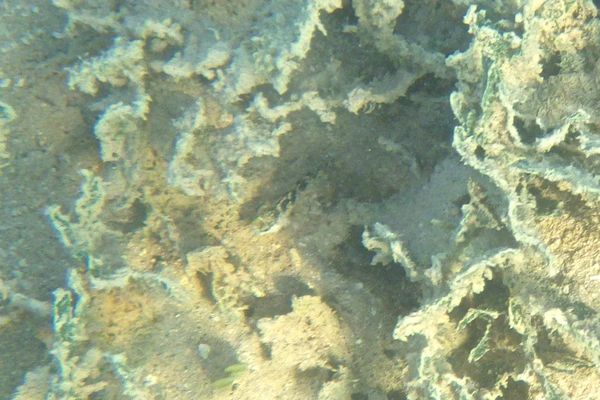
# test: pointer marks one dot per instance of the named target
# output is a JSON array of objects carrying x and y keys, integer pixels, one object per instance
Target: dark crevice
[
  {"x": 430, "y": 85},
  {"x": 528, "y": 130},
  {"x": 206, "y": 280},
  {"x": 551, "y": 66},
  {"x": 279, "y": 303},
  {"x": 266, "y": 351},
  {"x": 544, "y": 204},
  {"x": 396, "y": 395},
  {"x": 131, "y": 219},
  {"x": 480, "y": 153},
  {"x": 515, "y": 390}
]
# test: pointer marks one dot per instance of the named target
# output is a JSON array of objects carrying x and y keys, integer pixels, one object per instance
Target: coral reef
[{"x": 316, "y": 199}]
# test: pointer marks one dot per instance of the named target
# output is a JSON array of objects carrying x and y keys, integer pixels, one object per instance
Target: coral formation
[{"x": 316, "y": 199}]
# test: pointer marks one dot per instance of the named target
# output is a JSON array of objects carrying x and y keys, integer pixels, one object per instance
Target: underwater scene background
[{"x": 299, "y": 199}]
